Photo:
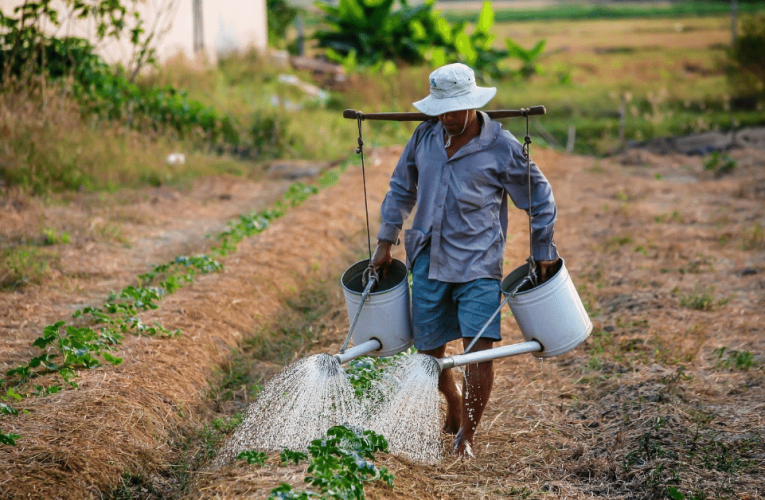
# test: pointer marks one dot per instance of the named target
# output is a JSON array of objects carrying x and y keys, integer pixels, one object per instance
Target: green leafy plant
[
  {"x": 702, "y": 298},
  {"x": 288, "y": 456},
  {"x": 6, "y": 409},
  {"x": 253, "y": 457},
  {"x": 372, "y": 32},
  {"x": 649, "y": 447},
  {"x": 731, "y": 359},
  {"x": 9, "y": 438},
  {"x": 529, "y": 58},
  {"x": 340, "y": 464},
  {"x": 476, "y": 49},
  {"x": 719, "y": 163},
  {"x": 24, "y": 47},
  {"x": 180, "y": 269},
  {"x": 10, "y": 396},
  {"x": 364, "y": 371},
  {"x": 73, "y": 348}
]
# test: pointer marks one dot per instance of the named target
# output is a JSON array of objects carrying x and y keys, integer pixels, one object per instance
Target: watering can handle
[
  {"x": 352, "y": 114},
  {"x": 371, "y": 276}
]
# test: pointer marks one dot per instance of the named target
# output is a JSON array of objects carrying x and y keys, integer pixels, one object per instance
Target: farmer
[{"x": 456, "y": 169}]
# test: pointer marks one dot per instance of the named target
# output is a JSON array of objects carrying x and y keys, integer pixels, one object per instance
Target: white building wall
[{"x": 228, "y": 25}]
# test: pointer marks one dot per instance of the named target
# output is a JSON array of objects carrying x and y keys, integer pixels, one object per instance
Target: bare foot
[{"x": 463, "y": 447}]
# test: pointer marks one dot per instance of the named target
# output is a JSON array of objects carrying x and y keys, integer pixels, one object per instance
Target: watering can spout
[
  {"x": 488, "y": 354},
  {"x": 357, "y": 351}
]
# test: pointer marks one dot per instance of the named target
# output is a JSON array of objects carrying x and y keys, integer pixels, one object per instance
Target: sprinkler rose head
[
  {"x": 432, "y": 365},
  {"x": 330, "y": 364}
]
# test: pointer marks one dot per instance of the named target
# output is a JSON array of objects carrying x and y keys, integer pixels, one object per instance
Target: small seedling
[
  {"x": 650, "y": 447},
  {"x": 73, "y": 348},
  {"x": 719, "y": 163},
  {"x": 363, "y": 372},
  {"x": 731, "y": 359},
  {"x": 253, "y": 457},
  {"x": 52, "y": 237},
  {"x": 8, "y": 439},
  {"x": 295, "y": 457},
  {"x": 702, "y": 299}
]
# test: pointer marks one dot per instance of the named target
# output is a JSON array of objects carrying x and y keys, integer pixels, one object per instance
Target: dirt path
[{"x": 646, "y": 241}]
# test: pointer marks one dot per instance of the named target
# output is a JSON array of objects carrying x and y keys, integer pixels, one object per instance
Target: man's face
[{"x": 454, "y": 121}]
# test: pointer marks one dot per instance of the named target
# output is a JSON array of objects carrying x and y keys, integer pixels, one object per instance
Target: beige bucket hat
[{"x": 453, "y": 88}]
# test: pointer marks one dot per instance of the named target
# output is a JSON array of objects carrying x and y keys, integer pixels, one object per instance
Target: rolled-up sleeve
[
  {"x": 543, "y": 209},
  {"x": 402, "y": 195}
]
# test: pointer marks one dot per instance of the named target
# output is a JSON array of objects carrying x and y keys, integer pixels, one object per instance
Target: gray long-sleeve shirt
[{"x": 461, "y": 202}]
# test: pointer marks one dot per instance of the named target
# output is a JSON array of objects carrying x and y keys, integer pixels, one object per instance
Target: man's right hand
[{"x": 382, "y": 257}]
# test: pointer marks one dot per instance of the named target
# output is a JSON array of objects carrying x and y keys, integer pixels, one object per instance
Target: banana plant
[
  {"x": 371, "y": 30},
  {"x": 363, "y": 33},
  {"x": 529, "y": 57}
]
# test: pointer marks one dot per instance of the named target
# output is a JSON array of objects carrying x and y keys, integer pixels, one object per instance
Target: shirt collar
[{"x": 489, "y": 131}]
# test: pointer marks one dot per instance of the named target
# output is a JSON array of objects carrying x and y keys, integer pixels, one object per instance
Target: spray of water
[
  {"x": 295, "y": 407},
  {"x": 408, "y": 415}
]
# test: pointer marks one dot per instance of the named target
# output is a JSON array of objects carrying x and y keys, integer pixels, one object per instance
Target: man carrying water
[{"x": 457, "y": 169}]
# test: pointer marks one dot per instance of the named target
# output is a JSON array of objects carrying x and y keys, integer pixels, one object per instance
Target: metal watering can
[
  {"x": 381, "y": 312},
  {"x": 551, "y": 316}
]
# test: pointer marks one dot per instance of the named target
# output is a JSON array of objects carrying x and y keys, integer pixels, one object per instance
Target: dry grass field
[
  {"x": 667, "y": 257},
  {"x": 664, "y": 400}
]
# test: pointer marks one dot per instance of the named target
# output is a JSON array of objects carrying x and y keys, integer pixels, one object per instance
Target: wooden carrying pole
[{"x": 413, "y": 117}]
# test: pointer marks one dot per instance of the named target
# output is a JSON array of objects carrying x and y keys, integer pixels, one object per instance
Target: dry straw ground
[{"x": 669, "y": 258}]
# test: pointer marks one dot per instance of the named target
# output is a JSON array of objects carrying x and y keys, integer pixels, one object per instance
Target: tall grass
[
  {"x": 48, "y": 146},
  {"x": 246, "y": 87}
]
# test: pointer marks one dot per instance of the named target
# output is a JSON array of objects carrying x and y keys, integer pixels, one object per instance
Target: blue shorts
[{"x": 442, "y": 312}]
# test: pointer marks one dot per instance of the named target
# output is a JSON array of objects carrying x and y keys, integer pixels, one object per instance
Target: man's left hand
[{"x": 546, "y": 269}]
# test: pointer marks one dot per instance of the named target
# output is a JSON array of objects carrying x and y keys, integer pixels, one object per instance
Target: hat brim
[{"x": 478, "y": 98}]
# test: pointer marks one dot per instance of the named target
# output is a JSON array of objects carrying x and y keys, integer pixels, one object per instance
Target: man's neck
[{"x": 473, "y": 129}]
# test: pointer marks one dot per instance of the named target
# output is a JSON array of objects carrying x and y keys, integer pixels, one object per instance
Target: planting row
[{"x": 65, "y": 349}]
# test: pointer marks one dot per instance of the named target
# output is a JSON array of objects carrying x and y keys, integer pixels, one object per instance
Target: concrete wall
[{"x": 227, "y": 25}]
